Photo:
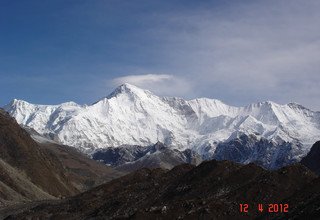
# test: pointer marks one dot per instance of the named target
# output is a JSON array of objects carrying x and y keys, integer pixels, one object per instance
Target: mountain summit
[
  {"x": 128, "y": 89},
  {"x": 133, "y": 116}
]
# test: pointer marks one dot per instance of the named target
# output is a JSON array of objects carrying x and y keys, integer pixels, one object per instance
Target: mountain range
[{"x": 266, "y": 133}]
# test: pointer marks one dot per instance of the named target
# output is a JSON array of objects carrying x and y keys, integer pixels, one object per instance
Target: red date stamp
[{"x": 271, "y": 208}]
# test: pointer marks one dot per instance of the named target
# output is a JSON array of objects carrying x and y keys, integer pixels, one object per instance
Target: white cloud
[
  {"x": 161, "y": 84},
  {"x": 245, "y": 52},
  {"x": 142, "y": 80}
]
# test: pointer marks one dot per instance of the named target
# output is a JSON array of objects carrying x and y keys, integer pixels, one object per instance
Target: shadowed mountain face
[
  {"x": 133, "y": 157},
  {"x": 33, "y": 171},
  {"x": 312, "y": 160},
  {"x": 212, "y": 190},
  {"x": 265, "y": 153}
]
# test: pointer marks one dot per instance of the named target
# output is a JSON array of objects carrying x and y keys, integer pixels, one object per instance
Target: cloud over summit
[{"x": 162, "y": 84}]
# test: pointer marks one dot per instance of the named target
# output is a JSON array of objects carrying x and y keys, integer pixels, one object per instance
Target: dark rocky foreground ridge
[
  {"x": 31, "y": 171},
  {"x": 212, "y": 190},
  {"x": 312, "y": 160}
]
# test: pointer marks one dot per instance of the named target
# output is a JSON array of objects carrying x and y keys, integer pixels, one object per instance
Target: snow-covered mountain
[{"x": 133, "y": 116}]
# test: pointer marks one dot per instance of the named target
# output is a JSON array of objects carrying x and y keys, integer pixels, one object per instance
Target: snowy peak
[
  {"x": 130, "y": 90},
  {"x": 18, "y": 104}
]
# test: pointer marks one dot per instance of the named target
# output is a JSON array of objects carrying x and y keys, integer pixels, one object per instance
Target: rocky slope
[
  {"x": 212, "y": 190},
  {"x": 33, "y": 171},
  {"x": 305, "y": 203},
  {"x": 312, "y": 160}
]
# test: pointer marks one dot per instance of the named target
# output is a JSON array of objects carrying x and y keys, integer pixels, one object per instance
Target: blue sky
[{"x": 236, "y": 51}]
